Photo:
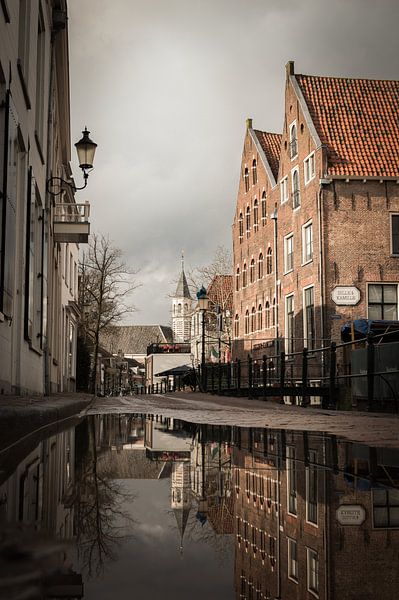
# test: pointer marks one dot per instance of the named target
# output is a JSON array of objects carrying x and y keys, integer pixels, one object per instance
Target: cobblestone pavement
[{"x": 374, "y": 429}]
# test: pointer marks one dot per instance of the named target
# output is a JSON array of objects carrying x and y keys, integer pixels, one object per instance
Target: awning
[{"x": 181, "y": 370}]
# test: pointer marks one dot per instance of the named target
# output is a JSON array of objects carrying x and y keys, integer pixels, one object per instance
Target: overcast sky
[{"x": 165, "y": 87}]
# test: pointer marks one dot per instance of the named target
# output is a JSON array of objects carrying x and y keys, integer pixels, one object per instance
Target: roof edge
[
  {"x": 309, "y": 121},
  {"x": 262, "y": 154}
]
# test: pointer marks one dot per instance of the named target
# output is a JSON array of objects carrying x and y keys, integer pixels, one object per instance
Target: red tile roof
[
  {"x": 358, "y": 121},
  {"x": 271, "y": 144}
]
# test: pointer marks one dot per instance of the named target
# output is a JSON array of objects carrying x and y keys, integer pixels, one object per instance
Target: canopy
[{"x": 181, "y": 370}]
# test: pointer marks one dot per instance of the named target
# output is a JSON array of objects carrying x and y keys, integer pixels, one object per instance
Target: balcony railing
[{"x": 71, "y": 222}]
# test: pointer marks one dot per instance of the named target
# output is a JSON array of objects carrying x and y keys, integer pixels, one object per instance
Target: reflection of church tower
[
  {"x": 181, "y": 309},
  {"x": 181, "y": 495}
]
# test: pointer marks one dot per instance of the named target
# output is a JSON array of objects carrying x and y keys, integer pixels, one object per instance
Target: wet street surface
[{"x": 187, "y": 496}]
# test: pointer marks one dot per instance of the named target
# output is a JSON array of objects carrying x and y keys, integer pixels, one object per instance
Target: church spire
[{"x": 182, "y": 290}]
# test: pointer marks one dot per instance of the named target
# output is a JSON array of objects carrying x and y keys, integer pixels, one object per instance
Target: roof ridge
[{"x": 346, "y": 78}]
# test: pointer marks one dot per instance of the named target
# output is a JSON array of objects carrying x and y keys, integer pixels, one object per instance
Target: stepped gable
[
  {"x": 358, "y": 121},
  {"x": 271, "y": 145},
  {"x": 134, "y": 339}
]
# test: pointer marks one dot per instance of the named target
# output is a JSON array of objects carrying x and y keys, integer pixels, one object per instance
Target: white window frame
[
  {"x": 296, "y": 170},
  {"x": 391, "y": 232},
  {"x": 293, "y": 124},
  {"x": 284, "y": 190},
  {"x": 292, "y": 576},
  {"x": 287, "y": 343},
  {"x": 310, "y": 160},
  {"x": 307, "y": 225},
  {"x": 305, "y": 323},
  {"x": 287, "y": 238},
  {"x": 309, "y": 552}
]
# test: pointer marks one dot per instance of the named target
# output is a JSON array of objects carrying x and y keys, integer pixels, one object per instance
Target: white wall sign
[
  {"x": 350, "y": 514},
  {"x": 345, "y": 295}
]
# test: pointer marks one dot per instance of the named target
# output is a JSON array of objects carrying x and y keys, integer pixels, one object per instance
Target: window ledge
[
  {"x": 288, "y": 272},
  {"x": 23, "y": 84},
  {"x": 307, "y": 262},
  {"x": 2, "y": 317},
  {"x": 293, "y": 579}
]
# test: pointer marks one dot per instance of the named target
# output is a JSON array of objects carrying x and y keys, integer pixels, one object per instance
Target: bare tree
[
  {"x": 221, "y": 264},
  {"x": 105, "y": 286}
]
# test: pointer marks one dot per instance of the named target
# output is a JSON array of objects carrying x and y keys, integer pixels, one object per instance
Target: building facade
[
  {"x": 38, "y": 241},
  {"x": 307, "y": 256}
]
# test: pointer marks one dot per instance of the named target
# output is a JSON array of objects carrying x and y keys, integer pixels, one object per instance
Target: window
[
  {"x": 385, "y": 508},
  {"x": 244, "y": 275},
  {"x": 248, "y": 221},
  {"x": 246, "y": 322},
  {"x": 256, "y": 215},
  {"x": 309, "y": 168},
  {"x": 238, "y": 279},
  {"x": 253, "y": 319},
  {"x": 40, "y": 65},
  {"x": 307, "y": 242},
  {"x": 289, "y": 324},
  {"x": 260, "y": 320},
  {"x": 383, "y": 302},
  {"x": 293, "y": 141},
  {"x": 311, "y": 488},
  {"x": 395, "y": 234},
  {"x": 312, "y": 571},
  {"x": 254, "y": 172},
  {"x": 296, "y": 194},
  {"x": 260, "y": 266},
  {"x": 252, "y": 271},
  {"x": 288, "y": 253},
  {"x": 263, "y": 208},
  {"x": 267, "y": 315},
  {"x": 292, "y": 560},
  {"x": 291, "y": 480},
  {"x": 241, "y": 226},
  {"x": 236, "y": 326},
  {"x": 284, "y": 190},
  {"x": 308, "y": 318},
  {"x": 269, "y": 261},
  {"x": 24, "y": 41},
  {"x": 246, "y": 179}
]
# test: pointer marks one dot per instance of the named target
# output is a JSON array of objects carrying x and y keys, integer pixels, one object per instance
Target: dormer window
[
  {"x": 296, "y": 194},
  {"x": 246, "y": 179},
  {"x": 254, "y": 172},
  {"x": 293, "y": 141},
  {"x": 309, "y": 168},
  {"x": 256, "y": 215}
]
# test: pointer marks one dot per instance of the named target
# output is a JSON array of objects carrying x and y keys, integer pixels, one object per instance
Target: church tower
[{"x": 181, "y": 309}]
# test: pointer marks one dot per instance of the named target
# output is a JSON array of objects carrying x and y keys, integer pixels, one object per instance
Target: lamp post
[
  {"x": 86, "y": 150},
  {"x": 203, "y": 302}
]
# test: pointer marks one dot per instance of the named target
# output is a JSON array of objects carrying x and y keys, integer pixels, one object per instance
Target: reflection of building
[
  {"x": 181, "y": 495},
  {"x": 312, "y": 517}
]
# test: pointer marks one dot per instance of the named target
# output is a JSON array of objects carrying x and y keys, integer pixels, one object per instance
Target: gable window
[
  {"x": 395, "y": 234},
  {"x": 293, "y": 141},
  {"x": 252, "y": 271},
  {"x": 382, "y": 302},
  {"x": 269, "y": 261},
  {"x": 284, "y": 190},
  {"x": 244, "y": 275},
  {"x": 308, "y": 318},
  {"x": 312, "y": 571},
  {"x": 288, "y": 253},
  {"x": 238, "y": 279},
  {"x": 256, "y": 215},
  {"x": 246, "y": 179},
  {"x": 260, "y": 319},
  {"x": 296, "y": 194},
  {"x": 246, "y": 322},
  {"x": 289, "y": 324},
  {"x": 241, "y": 227},
  {"x": 260, "y": 266},
  {"x": 248, "y": 221},
  {"x": 263, "y": 208},
  {"x": 254, "y": 172},
  {"x": 307, "y": 242},
  {"x": 236, "y": 326},
  {"x": 309, "y": 168}
]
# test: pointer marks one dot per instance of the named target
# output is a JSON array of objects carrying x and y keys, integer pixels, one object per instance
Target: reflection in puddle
[{"x": 174, "y": 509}]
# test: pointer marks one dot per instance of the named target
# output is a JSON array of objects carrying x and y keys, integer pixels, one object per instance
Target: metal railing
[{"x": 71, "y": 213}]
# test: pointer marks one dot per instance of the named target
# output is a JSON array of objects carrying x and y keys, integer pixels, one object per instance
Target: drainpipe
[
  {"x": 273, "y": 216},
  {"x": 322, "y": 271}
]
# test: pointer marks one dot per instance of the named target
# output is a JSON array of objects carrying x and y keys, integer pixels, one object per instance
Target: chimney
[
  {"x": 290, "y": 68},
  {"x": 249, "y": 123}
]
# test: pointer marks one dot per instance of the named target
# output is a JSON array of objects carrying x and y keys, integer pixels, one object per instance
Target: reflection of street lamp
[{"x": 203, "y": 302}]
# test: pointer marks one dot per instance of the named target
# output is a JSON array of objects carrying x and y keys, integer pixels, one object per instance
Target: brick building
[{"x": 318, "y": 211}]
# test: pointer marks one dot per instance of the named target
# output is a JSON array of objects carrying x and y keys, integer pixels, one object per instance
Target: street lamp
[
  {"x": 203, "y": 303},
  {"x": 86, "y": 150}
]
